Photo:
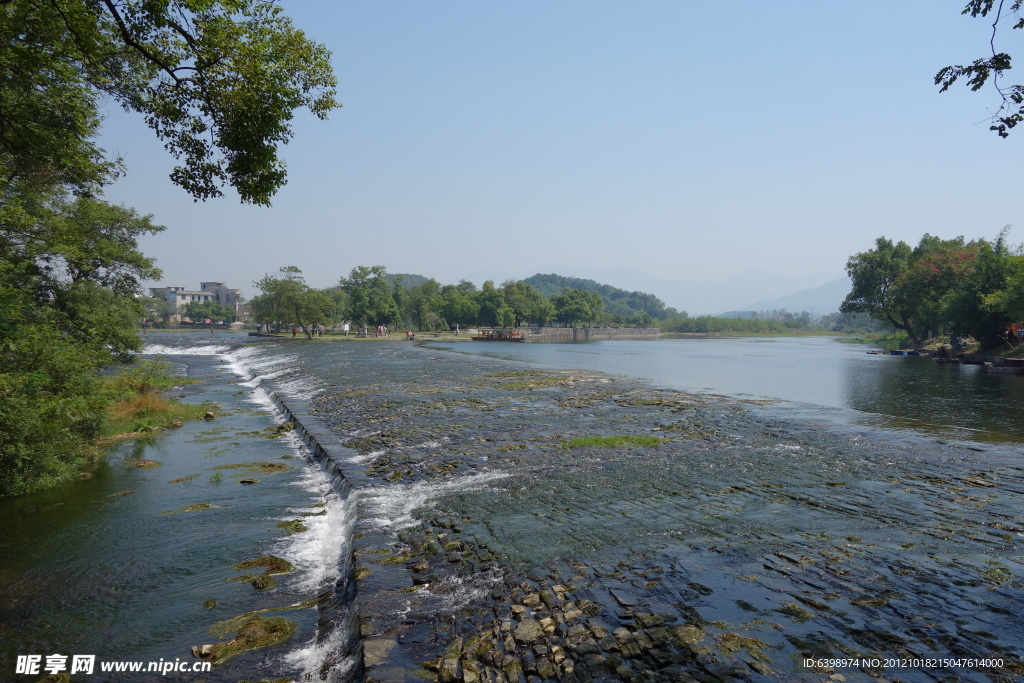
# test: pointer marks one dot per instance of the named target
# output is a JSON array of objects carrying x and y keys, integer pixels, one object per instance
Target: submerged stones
[
  {"x": 143, "y": 464},
  {"x": 292, "y": 526},
  {"x": 732, "y": 549},
  {"x": 256, "y": 467},
  {"x": 270, "y": 563},
  {"x": 194, "y": 507}
]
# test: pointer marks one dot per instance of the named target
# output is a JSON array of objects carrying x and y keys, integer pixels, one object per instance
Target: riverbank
[{"x": 718, "y": 544}]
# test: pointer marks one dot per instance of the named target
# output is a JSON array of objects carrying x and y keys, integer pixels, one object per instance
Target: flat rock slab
[
  {"x": 623, "y": 598},
  {"x": 375, "y": 650}
]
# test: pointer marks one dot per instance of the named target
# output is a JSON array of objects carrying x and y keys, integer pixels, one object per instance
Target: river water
[{"x": 811, "y": 499}]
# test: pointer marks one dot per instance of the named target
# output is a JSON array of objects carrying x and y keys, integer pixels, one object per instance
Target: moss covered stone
[{"x": 253, "y": 632}]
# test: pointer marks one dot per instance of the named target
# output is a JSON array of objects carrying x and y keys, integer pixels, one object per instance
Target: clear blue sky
[{"x": 684, "y": 140}]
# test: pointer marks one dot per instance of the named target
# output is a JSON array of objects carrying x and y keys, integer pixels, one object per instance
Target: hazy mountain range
[{"x": 752, "y": 291}]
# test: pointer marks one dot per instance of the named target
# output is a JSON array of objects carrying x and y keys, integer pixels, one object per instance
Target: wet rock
[
  {"x": 532, "y": 600},
  {"x": 687, "y": 634},
  {"x": 512, "y": 668},
  {"x": 598, "y": 628},
  {"x": 375, "y": 650},
  {"x": 254, "y": 632},
  {"x": 528, "y": 631},
  {"x": 623, "y": 598},
  {"x": 645, "y": 620},
  {"x": 585, "y": 647},
  {"x": 449, "y": 671},
  {"x": 595, "y": 663},
  {"x": 529, "y": 663},
  {"x": 454, "y": 648},
  {"x": 546, "y": 668},
  {"x": 470, "y": 671}
]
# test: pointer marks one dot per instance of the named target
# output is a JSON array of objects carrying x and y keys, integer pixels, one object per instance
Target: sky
[{"x": 749, "y": 141}]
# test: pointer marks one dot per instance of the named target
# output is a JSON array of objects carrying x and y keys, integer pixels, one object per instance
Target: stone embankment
[{"x": 565, "y": 334}]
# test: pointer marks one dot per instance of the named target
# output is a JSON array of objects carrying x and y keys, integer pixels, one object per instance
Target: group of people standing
[{"x": 316, "y": 332}]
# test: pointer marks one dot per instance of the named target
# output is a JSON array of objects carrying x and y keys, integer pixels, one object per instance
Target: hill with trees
[{"x": 618, "y": 303}]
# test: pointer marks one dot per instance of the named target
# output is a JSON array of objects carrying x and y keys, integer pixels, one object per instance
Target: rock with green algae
[
  {"x": 195, "y": 507},
  {"x": 253, "y": 633},
  {"x": 256, "y": 467},
  {"x": 143, "y": 464},
  {"x": 292, "y": 526},
  {"x": 272, "y": 564},
  {"x": 260, "y": 582}
]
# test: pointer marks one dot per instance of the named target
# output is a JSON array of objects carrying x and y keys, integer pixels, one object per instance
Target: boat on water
[
  {"x": 1006, "y": 366},
  {"x": 500, "y": 336}
]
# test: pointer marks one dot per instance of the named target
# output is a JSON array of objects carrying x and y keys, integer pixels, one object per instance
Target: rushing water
[{"x": 95, "y": 568}]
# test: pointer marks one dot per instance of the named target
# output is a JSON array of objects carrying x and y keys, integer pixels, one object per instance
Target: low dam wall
[{"x": 566, "y": 334}]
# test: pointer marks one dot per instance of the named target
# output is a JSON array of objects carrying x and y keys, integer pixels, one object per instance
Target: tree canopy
[
  {"x": 939, "y": 287},
  {"x": 370, "y": 297},
  {"x": 286, "y": 300}
]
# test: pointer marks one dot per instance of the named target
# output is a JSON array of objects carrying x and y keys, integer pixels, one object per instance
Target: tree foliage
[
  {"x": 200, "y": 311},
  {"x": 286, "y": 301},
  {"x": 993, "y": 66},
  {"x": 939, "y": 287},
  {"x": 576, "y": 305},
  {"x": 69, "y": 269},
  {"x": 371, "y": 301},
  {"x": 216, "y": 80}
]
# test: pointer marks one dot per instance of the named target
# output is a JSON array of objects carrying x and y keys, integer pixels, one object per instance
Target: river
[{"x": 806, "y": 498}]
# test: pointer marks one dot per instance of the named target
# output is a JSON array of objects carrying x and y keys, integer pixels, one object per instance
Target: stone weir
[
  {"x": 567, "y": 334},
  {"x": 339, "y": 612}
]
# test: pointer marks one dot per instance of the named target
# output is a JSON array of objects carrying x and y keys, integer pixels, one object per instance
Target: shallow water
[
  {"x": 876, "y": 507},
  {"x": 822, "y": 378}
]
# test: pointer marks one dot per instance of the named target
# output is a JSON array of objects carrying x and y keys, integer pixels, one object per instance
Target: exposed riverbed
[
  {"x": 739, "y": 545},
  {"x": 724, "y": 537}
]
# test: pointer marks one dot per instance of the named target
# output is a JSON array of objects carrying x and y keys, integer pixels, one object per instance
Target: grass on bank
[
  {"x": 137, "y": 406},
  {"x": 49, "y": 436}
]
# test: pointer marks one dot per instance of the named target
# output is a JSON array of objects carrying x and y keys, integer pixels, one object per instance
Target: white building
[{"x": 208, "y": 291}]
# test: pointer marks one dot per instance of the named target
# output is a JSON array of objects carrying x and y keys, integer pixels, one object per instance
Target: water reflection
[{"x": 825, "y": 379}]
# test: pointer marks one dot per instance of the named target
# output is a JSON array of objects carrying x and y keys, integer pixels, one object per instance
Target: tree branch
[{"x": 130, "y": 41}]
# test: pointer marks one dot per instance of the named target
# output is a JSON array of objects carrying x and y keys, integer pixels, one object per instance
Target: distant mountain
[
  {"x": 818, "y": 300},
  {"x": 704, "y": 297},
  {"x": 409, "y": 280}
]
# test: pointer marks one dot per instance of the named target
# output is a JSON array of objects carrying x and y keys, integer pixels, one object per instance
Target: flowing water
[{"x": 807, "y": 499}]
